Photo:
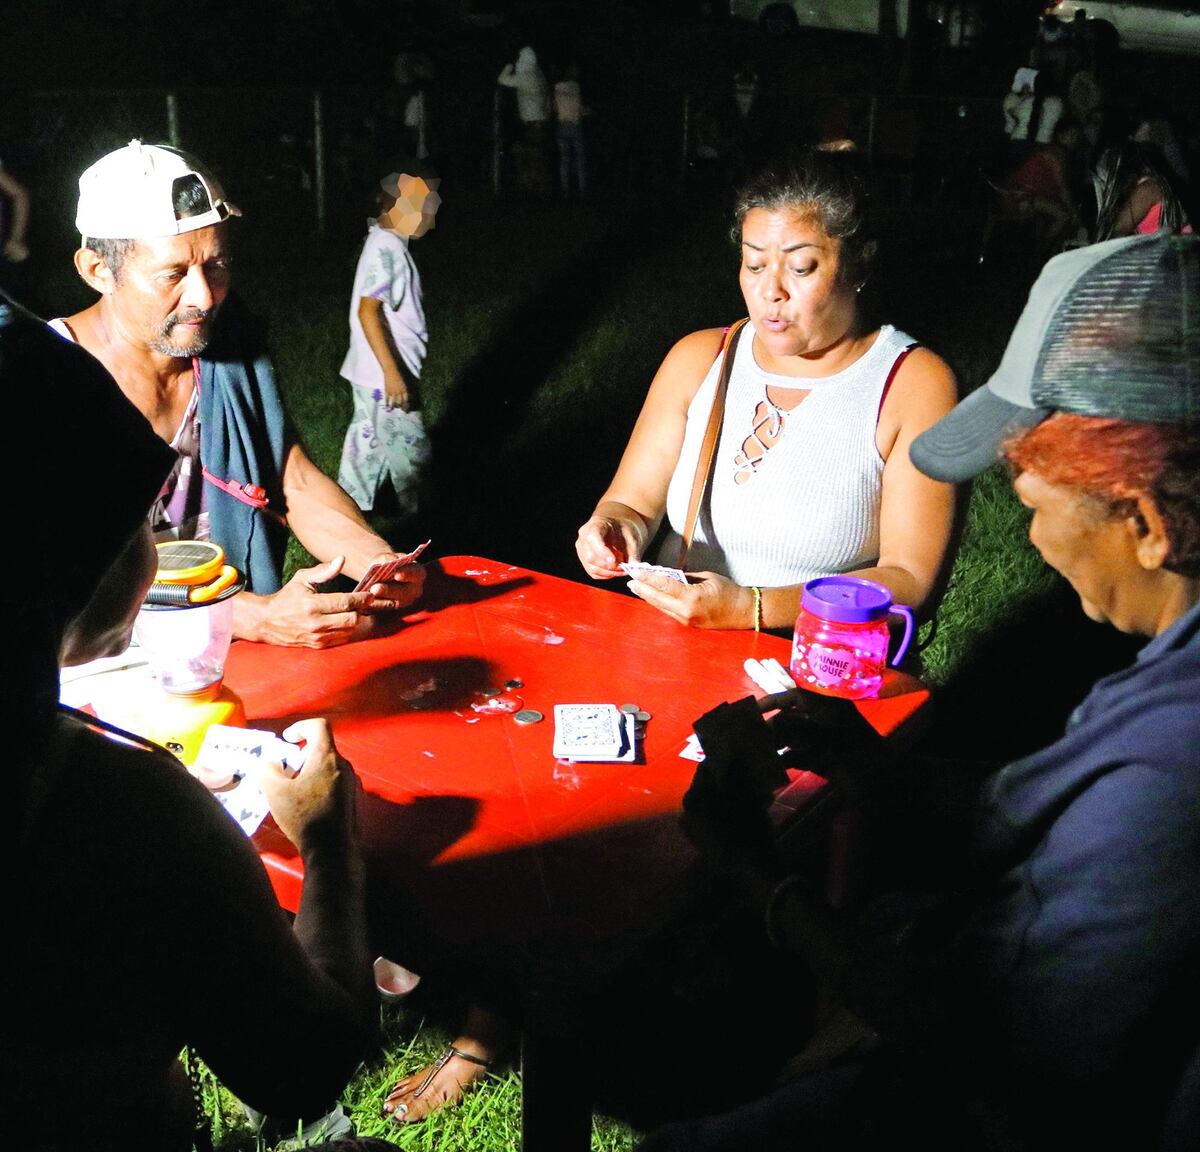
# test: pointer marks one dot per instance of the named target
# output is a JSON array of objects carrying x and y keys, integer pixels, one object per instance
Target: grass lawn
[
  {"x": 547, "y": 322},
  {"x": 487, "y": 1120}
]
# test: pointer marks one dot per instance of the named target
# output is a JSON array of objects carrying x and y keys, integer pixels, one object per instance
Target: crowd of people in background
[{"x": 1081, "y": 165}]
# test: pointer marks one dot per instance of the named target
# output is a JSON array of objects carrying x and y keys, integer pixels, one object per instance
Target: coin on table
[
  {"x": 629, "y": 709},
  {"x": 642, "y": 716},
  {"x": 528, "y": 716}
]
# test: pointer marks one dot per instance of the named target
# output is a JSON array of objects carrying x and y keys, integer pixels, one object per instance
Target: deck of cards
[
  {"x": 594, "y": 732},
  {"x": 636, "y": 569}
]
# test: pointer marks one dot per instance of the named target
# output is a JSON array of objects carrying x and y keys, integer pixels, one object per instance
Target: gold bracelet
[{"x": 757, "y": 609}]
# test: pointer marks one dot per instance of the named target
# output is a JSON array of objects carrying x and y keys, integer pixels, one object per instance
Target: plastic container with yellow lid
[
  {"x": 185, "y": 628},
  {"x": 192, "y": 572},
  {"x": 186, "y": 623}
]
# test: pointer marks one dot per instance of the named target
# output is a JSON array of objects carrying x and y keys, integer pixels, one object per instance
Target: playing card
[
  {"x": 246, "y": 803},
  {"x": 625, "y": 751},
  {"x": 226, "y": 755},
  {"x": 592, "y": 731},
  {"x": 230, "y": 752},
  {"x": 637, "y": 568},
  {"x": 383, "y": 570}
]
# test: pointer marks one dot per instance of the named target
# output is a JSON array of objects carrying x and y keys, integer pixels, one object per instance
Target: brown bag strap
[{"x": 708, "y": 446}]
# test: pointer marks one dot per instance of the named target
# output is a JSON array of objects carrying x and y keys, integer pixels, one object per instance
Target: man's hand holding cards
[
  {"x": 397, "y": 576},
  {"x": 226, "y": 765},
  {"x": 594, "y": 732}
]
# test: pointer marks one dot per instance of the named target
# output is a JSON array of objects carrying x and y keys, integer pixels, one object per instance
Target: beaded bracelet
[{"x": 757, "y": 609}]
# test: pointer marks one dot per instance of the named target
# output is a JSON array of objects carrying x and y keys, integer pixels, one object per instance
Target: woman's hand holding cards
[{"x": 705, "y": 601}]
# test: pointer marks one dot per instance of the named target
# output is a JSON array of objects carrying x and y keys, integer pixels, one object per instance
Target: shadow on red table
[
  {"x": 424, "y": 684},
  {"x": 487, "y": 581},
  {"x": 417, "y": 831}
]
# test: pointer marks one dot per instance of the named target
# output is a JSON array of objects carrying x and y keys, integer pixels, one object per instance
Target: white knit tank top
[{"x": 810, "y": 507}]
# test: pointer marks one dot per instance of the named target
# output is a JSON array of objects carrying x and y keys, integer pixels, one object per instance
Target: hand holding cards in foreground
[
  {"x": 226, "y": 765},
  {"x": 316, "y": 805}
]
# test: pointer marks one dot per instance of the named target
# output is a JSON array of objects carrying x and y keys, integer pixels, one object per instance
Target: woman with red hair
[{"x": 1111, "y": 477}]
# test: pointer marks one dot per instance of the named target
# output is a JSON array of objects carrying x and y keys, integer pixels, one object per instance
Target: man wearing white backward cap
[
  {"x": 153, "y": 222},
  {"x": 1045, "y": 995}
]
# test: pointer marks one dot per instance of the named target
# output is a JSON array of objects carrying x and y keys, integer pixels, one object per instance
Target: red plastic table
[
  {"x": 480, "y": 799},
  {"x": 508, "y": 851}
]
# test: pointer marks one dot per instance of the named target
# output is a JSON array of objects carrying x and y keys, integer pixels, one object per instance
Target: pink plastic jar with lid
[{"x": 841, "y": 640}]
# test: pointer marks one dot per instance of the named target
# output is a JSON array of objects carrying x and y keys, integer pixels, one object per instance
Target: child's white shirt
[{"x": 386, "y": 272}]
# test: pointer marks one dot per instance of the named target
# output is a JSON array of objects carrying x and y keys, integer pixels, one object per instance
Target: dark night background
[{"x": 138, "y": 43}]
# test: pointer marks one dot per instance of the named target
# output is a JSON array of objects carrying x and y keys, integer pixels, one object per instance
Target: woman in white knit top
[{"x": 811, "y": 475}]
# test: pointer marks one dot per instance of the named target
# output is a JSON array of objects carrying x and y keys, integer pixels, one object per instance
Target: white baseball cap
[{"x": 129, "y": 194}]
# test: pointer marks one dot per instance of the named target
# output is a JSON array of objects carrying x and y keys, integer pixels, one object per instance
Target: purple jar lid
[{"x": 848, "y": 599}]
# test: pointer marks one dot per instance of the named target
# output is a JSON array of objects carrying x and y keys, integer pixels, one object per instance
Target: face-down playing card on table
[{"x": 593, "y": 732}]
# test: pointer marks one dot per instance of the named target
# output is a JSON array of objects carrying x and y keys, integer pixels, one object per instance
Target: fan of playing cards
[
  {"x": 636, "y": 569},
  {"x": 382, "y": 571},
  {"x": 225, "y": 766},
  {"x": 594, "y": 732}
]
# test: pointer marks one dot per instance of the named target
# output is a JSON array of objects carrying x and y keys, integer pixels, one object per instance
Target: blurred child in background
[{"x": 386, "y": 438}]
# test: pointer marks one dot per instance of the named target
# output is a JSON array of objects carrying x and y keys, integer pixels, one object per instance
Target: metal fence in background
[{"x": 320, "y": 148}]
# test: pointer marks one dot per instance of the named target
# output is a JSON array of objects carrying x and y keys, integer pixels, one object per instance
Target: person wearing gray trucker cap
[
  {"x": 155, "y": 245},
  {"x": 1044, "y": 994},
  {"x": 1109, "y": 331}
]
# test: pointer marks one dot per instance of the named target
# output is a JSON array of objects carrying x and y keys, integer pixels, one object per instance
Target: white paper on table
[
  {"x": 131, "y": 658},
  {"x": 114, "y": 692},
  {"x": 82, "y": 684}
]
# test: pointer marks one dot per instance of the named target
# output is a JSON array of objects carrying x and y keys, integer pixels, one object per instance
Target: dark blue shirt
[{"x": 1085, "y": 951}]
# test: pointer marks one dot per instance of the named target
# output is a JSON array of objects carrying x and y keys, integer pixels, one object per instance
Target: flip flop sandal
[{"x": 448, "y": 1054}]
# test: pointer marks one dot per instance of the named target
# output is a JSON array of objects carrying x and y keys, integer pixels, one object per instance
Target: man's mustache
[{"x": 190, "y": 316}]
